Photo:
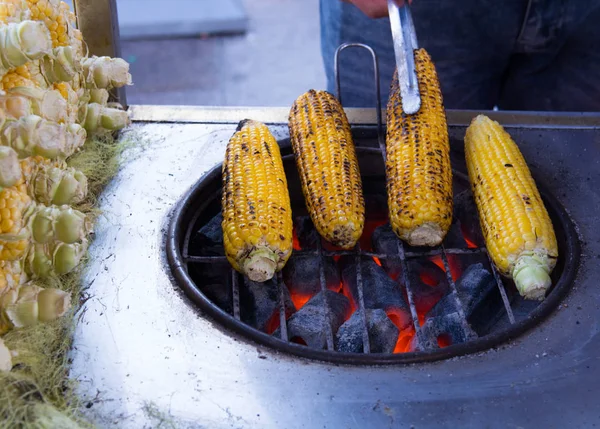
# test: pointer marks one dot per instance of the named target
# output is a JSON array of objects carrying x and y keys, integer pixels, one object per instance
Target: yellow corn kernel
[
  {"x": 418, "y": 170},
  {"x": 516, "y": 226},
  {"x": 257, "y": 216},
  {"x": 14, "y": 240},
  {"x": 328, "y": 167}
]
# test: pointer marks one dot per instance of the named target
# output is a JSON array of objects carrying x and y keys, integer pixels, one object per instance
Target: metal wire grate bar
[{"x": 323, "y": 284}]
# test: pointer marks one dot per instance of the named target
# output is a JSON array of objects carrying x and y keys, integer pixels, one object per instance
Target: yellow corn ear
[
  {"x": 328, "y": 167},
  {"x": 517, "y": 228},
  {"x": 418, "y": 170},
  {"x": 14, "y": 236},
  {"x": 257, "y": 215}
]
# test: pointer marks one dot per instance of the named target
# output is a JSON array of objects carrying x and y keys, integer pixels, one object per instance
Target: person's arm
[{"x": 374, "y": 8}]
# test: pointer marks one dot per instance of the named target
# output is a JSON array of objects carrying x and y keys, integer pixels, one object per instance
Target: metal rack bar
[
  {"x": 282, "y": 318},
  {"x": 361, "y": 300},
  {"x": 235, "y": 294},
  {"x": 323, "y": 284},
  {"x": 505, "y": 301}
]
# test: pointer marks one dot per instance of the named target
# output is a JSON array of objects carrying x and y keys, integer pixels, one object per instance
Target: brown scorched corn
[
  {"x": 328, "y": 167},
  {"x": 257, "y": 216},
  {"x": 418, "y": 171}
]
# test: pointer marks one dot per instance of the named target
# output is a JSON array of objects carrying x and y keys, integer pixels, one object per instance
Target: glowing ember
[
  {"x": 444, "y": 340},
  {"x": 273, "y": 323},
  {"x": 470, "y": 244},
  {"x": 455, "y": 270},
  {"x": 295, "y": 241},
  {"x": 348, "y": 294},
  {"x": 299, "y": 299},
  {"x": 377, "y": 261},
  {"x": 370, "y": 226},
  {"x": 404, "y": 343},
  {"x": 428, "y": 279}
]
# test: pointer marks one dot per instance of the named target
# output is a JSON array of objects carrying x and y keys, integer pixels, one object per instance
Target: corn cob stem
[
  {"x": 260, "y": 265},
  {"x": 54, "y": 259},
  {"x": 517, "y": 228},
  {"x": 21, "y": 43},
  {"x": 52, "y": 185}
]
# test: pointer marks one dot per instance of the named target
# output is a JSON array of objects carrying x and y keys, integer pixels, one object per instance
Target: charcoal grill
[{"x": 370, "y": 141}]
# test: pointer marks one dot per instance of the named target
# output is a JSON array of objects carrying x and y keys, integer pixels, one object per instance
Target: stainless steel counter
[{"x": 142, "y": 352}]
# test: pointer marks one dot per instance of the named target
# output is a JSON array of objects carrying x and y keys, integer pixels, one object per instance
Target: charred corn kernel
[
  {"x": 517, "y": 228},
  {"x": 418, "y": 171},
  {"x": 328, "y": 168},
  {"x": 257, "y": 216},
  {"x": 14, "y": 237}
]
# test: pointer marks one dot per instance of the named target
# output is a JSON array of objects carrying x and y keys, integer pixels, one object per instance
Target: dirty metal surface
[{"x": 143, "y": 354}]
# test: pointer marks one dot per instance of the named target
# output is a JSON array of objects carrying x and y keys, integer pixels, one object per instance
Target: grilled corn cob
[
  {"x": 10, "y": 168},
  {"x": 328, "y": 168},
  {"x": 517, "y": 228},
  {"x": 418, "y": 171},
  {"x": 257, "y": 216}
]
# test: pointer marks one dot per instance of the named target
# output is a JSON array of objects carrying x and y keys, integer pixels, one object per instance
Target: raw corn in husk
[
  {"x": 105, "y": 72},
  {"x": 52, "y": 182},
  {"x": 32, "y": 135},
  {"x": 29, "y": 304},
  {"x": 49, "y": 225},
  {"x": 54, "y": 259},
  {"x": 22, "y": 42},
  {"x": 98, "y": 119}
]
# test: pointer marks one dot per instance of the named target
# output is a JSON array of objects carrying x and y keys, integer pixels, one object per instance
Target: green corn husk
[
  {"x": 98, "y": 119},
  {"x": 30, "y": 304},
  {"x": 99, "y": 96},
  {"x": 59, "y": 66},
  {"x": 52, "y": 185},
  {"x": 32, "y": 135},
  {"x": 57, "y": 224},
  {"x": 10, "y": 169},
  {"x": 105, "y": 72},
  {"x": 22, "y": 42},
  {"x": 54, "y": 259}
]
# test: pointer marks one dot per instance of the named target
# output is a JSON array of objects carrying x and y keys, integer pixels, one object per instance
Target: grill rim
[{"x": 177, "y": 235}]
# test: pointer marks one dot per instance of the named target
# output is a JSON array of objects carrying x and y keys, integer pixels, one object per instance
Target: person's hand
[{"x": 374, "y": 8}]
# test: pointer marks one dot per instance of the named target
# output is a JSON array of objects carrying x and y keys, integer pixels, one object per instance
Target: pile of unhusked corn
[{"x": 52, "y": 98}]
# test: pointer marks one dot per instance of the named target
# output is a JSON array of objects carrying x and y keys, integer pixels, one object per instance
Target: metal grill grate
[{"x": 423, "y": 343}]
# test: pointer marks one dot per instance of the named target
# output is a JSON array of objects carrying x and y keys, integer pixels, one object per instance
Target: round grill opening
[{"x": 381, "y": 303}]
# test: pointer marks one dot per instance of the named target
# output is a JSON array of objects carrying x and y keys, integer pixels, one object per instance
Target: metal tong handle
[{"x": 405, "y": 43}]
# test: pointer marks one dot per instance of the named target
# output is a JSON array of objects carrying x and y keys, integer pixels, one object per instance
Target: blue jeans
[{"x": 515, "y": 54}]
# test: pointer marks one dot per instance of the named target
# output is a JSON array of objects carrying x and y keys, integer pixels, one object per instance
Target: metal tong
[{"x": 405, "y": 43}]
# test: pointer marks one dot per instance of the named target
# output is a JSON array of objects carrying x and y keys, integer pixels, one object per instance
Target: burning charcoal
[
  {"x": 379, "y": 291},
  {"x": 214, "y": 280},
  {"x": 474, "y": 286},
  {"x": 428, "y": 283},
  {"x": 383, "y": 334},
  {"x": 208, "y": 241},
  {"x": 386, "y": 242},
  {"x": 309, "y": 324},
  {"x": 450, "y": 326},
  {"x": 259, "y": 304},
  {"x": 301, "y": 274},
  {"x": 465, "y": 211},
  {"x": 307, "y": 234}
]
